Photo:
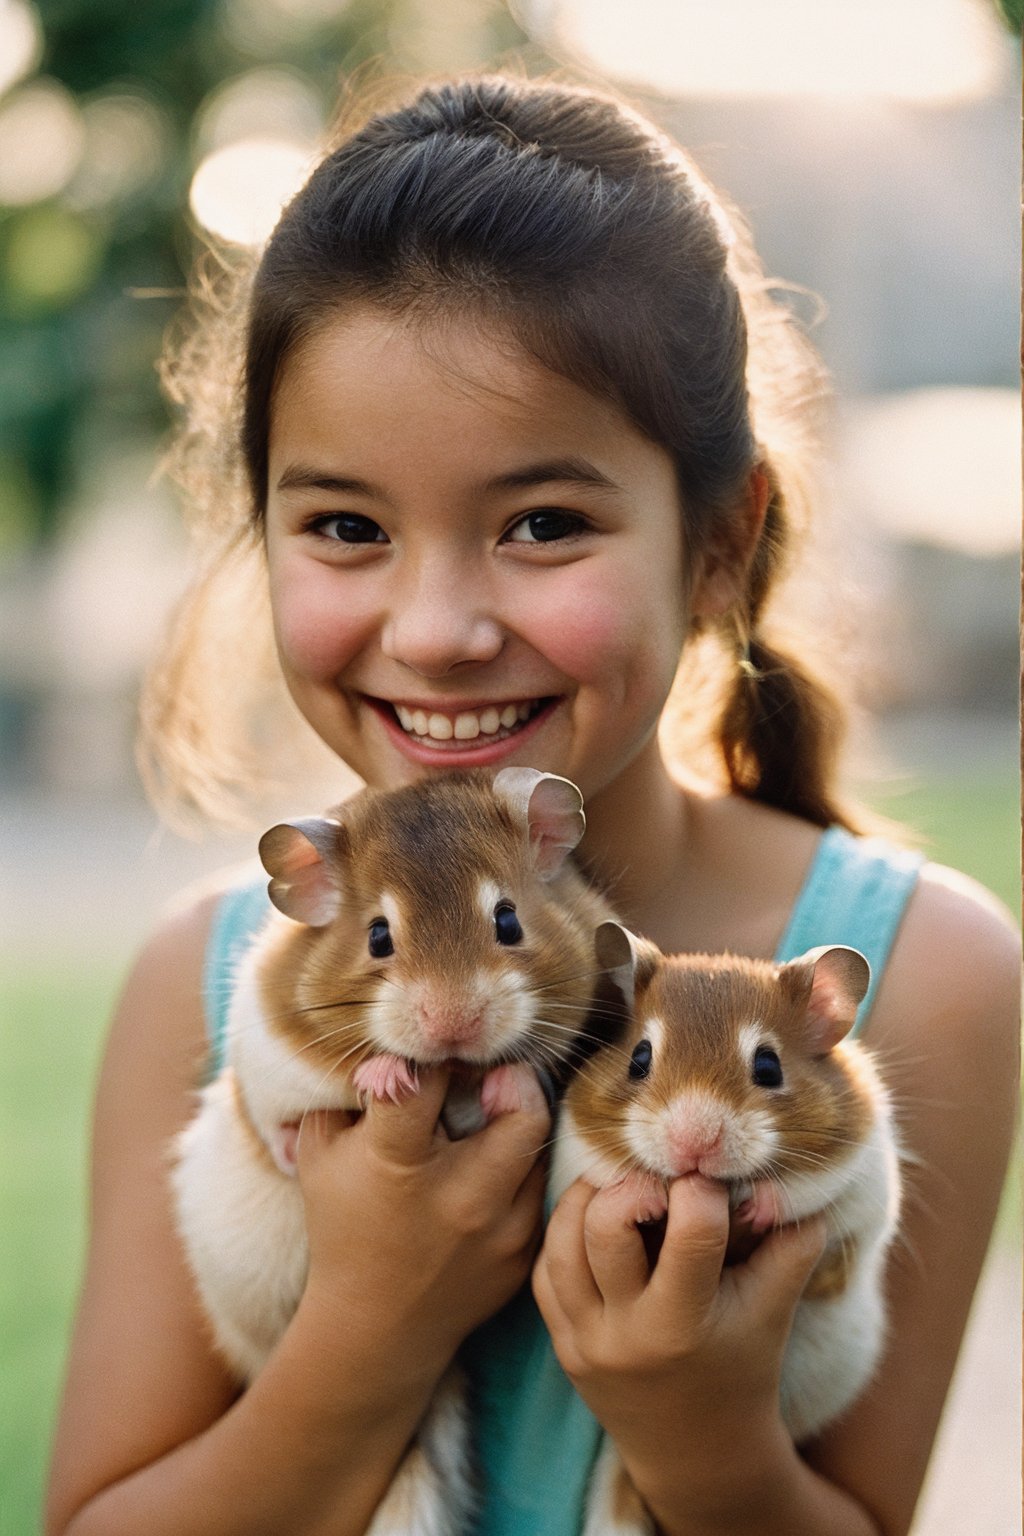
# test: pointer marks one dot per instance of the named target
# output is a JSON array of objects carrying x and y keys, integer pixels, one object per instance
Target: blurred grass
[{"x": 52, "y": 1023}]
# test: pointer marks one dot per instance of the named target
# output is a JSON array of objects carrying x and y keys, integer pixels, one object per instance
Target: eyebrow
[{"x": 564, "y": 471}]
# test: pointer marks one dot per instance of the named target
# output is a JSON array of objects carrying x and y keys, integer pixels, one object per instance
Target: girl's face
[{"x": 473, "y": 561}]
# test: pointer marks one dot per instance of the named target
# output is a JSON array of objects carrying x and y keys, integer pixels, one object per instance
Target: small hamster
[
  {"x": 441, "y": 922},
  {"x": 740, "y": 1070}
]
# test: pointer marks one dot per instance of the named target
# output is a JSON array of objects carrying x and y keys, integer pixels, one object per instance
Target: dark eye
[
  {"x": 380, "y": 939},
  {"x": 640, "y": 1061},
  {"x": 545, "y": 526},
  {"x": 506, "y": 924},
  {"x": 767, "y": 1068},
  {"x": 350, "y": 528}
]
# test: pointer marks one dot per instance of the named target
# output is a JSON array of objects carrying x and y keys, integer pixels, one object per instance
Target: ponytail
[{"x": 782, "y": 725}]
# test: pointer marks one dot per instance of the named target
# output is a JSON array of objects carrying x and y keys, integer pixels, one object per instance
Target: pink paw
[
  {"x": 385, "y": 1077},
  {"x": 501, "y": 1092},
  {"x": 762, "y": 1209},
  {"x": 646, "y": 1198}
]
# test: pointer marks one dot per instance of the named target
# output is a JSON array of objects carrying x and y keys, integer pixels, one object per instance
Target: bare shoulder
[{"x": 955, "y": 967}]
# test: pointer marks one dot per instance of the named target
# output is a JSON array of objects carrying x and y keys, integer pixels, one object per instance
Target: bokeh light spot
[
  {"x": 238, "y": 192},
  {"x": 127, "y": 140},
  {"x": 21, "y": 41},
  {"x": 42, "y": 137}
]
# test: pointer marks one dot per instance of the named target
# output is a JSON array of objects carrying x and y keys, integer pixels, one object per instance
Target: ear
[
  {"x": 722, "y": 574},
  {"x": 298, "y": 855},
  {"x": 551, "y": 809},
  {"x": 630, "y": 962},
  {"x": 836, "y": 980}
]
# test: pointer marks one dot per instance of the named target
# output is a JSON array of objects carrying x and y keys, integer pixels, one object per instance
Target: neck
[{"x": 638, "y": 834}]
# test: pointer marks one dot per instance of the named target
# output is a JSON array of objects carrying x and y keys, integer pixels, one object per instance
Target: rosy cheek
[{"x": 317, "y": 632}]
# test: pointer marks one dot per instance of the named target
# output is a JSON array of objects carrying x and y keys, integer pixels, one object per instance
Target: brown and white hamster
[
  {"x": 740, "y": 1070},
  {"x": 438, "y": 922}
]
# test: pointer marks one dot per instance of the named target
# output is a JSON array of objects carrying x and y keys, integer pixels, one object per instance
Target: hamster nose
[
  {"x": 689, "y": 1143},
  {"x": 449, "y": 1024}
]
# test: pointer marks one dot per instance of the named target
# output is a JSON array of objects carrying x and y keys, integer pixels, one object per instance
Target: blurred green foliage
[{"x": 77, "y": 341}]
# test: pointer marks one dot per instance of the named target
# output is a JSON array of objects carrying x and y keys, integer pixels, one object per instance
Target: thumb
[
  {"x": 316, "y": 1131},
  {"x": 783, "y": 1263}
]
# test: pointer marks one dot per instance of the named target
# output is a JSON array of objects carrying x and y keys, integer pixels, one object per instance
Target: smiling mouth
[{"x": 461, "y": 729}]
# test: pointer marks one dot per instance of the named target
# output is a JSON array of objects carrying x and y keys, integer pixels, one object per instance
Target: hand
[
  {"x": 680, "y": 1363},
  {"x": 414, "y": 1238}
]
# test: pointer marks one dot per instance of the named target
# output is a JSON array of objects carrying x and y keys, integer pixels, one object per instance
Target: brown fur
[
  {"x": 703, "y": 1000},
  {"x": 256, "y": 1143},
  {"x": 428, "y": 847},
  {"x": 830, "y": 1275}
]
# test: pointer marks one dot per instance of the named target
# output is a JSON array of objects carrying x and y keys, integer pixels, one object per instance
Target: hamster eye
[
  {"x": 640, "y": 1061},
  {"x": 380, "y": 939},
  {"x": 506, "y": 924},
  {"x": 767, "y": 1068}
]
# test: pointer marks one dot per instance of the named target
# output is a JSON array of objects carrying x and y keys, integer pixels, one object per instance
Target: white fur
[
  {"x": 835, "y": 1342},
  {"x": 242, "y": 1223}
]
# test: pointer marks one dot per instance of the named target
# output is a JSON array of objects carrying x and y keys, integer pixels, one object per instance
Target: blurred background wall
[{"x": 874, "y": 148}]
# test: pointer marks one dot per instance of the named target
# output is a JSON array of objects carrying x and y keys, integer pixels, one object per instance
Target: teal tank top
[{"x": 536, "y": 1440}]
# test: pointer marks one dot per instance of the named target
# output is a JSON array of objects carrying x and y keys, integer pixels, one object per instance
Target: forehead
[{"x": 367, "y": 383}]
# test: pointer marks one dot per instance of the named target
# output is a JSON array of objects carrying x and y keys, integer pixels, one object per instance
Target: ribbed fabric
[{"x": 536, "y": 1441}]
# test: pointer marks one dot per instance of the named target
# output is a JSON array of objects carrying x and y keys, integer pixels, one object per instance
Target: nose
[
  {"x": 449, "y": 1024},
  {"x": 693, "y": 1136},
  {"x": 439, "y": 619}
]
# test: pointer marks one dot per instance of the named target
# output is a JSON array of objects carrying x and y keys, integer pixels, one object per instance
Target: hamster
[
  {"x": 441, "y": 922},
  {"x": 739, "y": 1069}
]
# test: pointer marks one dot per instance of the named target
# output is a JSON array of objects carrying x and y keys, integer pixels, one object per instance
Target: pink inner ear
[
  {"x": 831, "y": 1007},
  {"x": 556, "y": 822}
]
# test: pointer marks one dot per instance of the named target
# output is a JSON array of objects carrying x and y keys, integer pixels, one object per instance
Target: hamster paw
[
  {"x": 762, "y": 1209},
  {"x": 385, "y": 1077}
]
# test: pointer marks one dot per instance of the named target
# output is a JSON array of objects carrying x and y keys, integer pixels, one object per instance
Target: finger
[
  {"x": 615, "y": 1249},
  {"x": 565, "y": 1254},
  {"x": 317, "y": 1131},
  {"x": 406, "y": 1132},
  {"x": 689, "y": 1267},
  {"x": 779, "y": 1269},
  {"x": 507, "y": 1149}
]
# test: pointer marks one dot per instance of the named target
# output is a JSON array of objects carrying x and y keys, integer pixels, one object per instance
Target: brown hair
[{"x": 560, "y": 213}]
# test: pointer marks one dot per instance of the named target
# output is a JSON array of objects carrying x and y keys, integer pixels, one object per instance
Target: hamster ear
[
  {"x": 836, "y": 980},
  {"x": 630, "y": 962},
  {"x": 298, "y": 855},
  {"x": 551, "y": 809}
]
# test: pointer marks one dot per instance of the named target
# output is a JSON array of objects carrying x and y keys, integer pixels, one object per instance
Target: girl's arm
[
  {"x": 682, "y": 1367},
  {"x": 153, "y": 1435}
]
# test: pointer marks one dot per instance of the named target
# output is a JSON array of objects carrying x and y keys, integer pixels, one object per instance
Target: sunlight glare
[
  {"x": 937, "y": 466},
  {"x": 913, "y": 50}
]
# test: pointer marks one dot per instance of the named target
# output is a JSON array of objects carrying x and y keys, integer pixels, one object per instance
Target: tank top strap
[
  {"x": 240, "y": 913},
  {"x": 855, "y": 893}
]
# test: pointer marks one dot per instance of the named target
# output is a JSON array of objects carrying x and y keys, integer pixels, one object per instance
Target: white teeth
[{"x": 467, "y": 725}]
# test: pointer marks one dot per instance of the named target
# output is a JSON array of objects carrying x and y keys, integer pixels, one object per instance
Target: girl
[{"x": 519, "y": 426}]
